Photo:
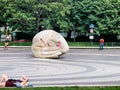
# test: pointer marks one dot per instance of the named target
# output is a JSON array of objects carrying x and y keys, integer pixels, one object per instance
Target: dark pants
[{"x": 101, "y": 46}]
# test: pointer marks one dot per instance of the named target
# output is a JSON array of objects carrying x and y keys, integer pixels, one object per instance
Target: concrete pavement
[{"x": 79, "y": 67}]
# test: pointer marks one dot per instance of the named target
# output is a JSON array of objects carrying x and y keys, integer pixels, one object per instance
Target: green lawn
[
  {"x": 65, "y": 88},
  {"x": 30, "y": 43},
  {"x": 17, "y": 43},
  {"x": 69, "y": 43},
  {"x": 84, "y": 44}
]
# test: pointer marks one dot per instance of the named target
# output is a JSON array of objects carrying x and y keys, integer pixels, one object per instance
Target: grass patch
[
  {"x": 17, "y": 43},
  {"x": 85, "y": 44},
  {"x": 81, "y": 44},
  {"x": 66, "y": 88},
  {"x": 30, "y": 43},
  {"x": 20, "y": 43}
]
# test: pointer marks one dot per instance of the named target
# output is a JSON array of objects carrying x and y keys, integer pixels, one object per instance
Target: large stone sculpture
[{"x": 49, "y": 44}]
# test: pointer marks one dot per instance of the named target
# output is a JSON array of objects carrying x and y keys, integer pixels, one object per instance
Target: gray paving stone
[{"x": 79, "y": 67}]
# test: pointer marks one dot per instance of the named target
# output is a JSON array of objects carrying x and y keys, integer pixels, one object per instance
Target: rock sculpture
[{"x": 49, "y": 44}]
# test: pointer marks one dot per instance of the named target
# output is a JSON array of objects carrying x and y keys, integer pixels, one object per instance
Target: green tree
[
  {"x": 104, "y": 14},
  {"x": 62, "y": 15},
  {"x": 21, "y": 15},
  {"x": 52, "y": 14},
  {"x": 108, "y": 16}
]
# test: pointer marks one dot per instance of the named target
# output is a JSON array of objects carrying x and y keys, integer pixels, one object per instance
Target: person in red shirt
[{"x": 101, "y": 43}]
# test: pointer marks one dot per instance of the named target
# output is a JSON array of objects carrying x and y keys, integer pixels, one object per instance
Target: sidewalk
[
  {"x": 74, "y": 47},
  {"x": 71, "y": 47},
  {"x": 78, "y": 67}
]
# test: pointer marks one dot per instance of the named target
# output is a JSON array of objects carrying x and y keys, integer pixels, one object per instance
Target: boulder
[{"x": 49, "y": 44}]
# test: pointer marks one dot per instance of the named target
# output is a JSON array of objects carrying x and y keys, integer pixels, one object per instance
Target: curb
[
  {"x": 94, "y": 47},
  {"x": 71, "y": 47}
]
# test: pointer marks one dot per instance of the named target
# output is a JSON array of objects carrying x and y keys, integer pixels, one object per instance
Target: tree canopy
[{"x": 62, "y": 15}]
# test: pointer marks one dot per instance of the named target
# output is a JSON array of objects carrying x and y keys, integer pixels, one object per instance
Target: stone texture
[{"x": 49, "y": 44}]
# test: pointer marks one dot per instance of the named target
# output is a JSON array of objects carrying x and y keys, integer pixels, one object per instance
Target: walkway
[{"x": 79, "y": 67}]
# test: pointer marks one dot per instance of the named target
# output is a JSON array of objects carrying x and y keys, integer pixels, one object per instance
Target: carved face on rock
[{"x": 49, "y": 44}]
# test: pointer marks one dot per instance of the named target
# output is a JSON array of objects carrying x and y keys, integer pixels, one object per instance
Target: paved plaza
[{"x": 79, "y": 67}]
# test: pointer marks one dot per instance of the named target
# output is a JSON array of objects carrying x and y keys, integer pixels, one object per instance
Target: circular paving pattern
[{"x": 79, "y": 67}]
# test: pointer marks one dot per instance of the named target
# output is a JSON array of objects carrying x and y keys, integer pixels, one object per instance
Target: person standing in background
[
  {"x": 101, "y": 43},
  {"x": 7, "y": 41}
]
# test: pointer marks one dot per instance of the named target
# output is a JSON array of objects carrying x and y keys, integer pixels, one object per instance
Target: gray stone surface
[{"x": 79, "y": 67}]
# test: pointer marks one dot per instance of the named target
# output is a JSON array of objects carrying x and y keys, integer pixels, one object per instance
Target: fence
[
  {"x": 112, "y": 44},
  {"x": 96, "y": 44}
]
